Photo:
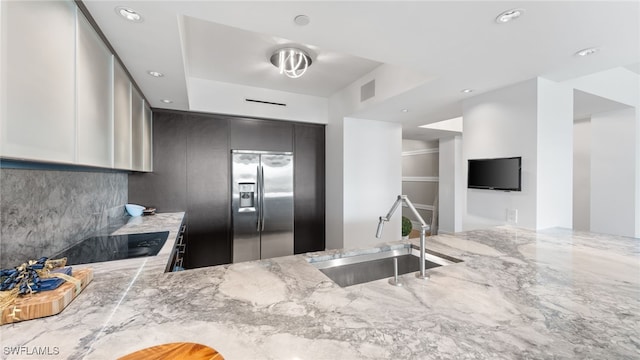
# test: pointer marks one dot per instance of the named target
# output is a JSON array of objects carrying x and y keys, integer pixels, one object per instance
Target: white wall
[
  {"x": 390, "y": 81},
  {"x": 354, "y": 228},
  {"x": 554, "y": 170},
  {"x": 637, "y": 165},
  {"x": 451, "y": 185},
  {"x": 613, "y": 172},
  {"x": 618, "y": 84},
  {"x": 372, "y": 180},
  {"x": 623, "y": 86},
  {"x": 582, "y": 174},
  {"x": 225, "y": 98},
  {"x": 334, "y": 174},
  {"x": 534, "y": 120},
  {"x": 502, "y": 123}
]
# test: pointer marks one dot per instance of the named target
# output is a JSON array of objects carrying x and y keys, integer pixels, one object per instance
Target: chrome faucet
[{"x": 423, "y": 229}]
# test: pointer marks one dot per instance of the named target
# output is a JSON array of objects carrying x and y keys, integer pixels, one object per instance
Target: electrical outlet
[{"x": 512, "y": 216}]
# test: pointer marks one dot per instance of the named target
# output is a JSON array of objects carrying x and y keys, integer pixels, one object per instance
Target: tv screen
[{"x": 495, "y": 174}]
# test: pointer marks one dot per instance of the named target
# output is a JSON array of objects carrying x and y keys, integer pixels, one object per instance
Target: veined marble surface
[
  {"x": 43, "y": 212},
  {"x": 519, "y": 294}
]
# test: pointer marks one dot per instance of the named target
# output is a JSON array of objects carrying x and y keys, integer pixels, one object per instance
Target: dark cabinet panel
[
  {"x": 207, "y": 191},
  {"x": 263, "y": 135},
  {"x": 191, "y": 154},
  {"x": 166, "y": 187},
  {"x": 309, "y": 189}
]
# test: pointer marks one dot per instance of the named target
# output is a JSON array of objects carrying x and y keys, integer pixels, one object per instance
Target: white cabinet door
[
  {"x": 63, "y": 96},
  {"x": 147, "y": 138},
  {"x": 94, "y": 78},
  {"x": 121, "y": 118},
  {"x": 137, "y": 130},
  {"x": 38, "y": 80}
]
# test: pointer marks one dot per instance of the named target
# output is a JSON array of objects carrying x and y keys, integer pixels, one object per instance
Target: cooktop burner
[{"x": 114, "y": 247}]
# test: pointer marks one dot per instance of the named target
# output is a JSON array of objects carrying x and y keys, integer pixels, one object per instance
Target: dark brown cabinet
[
  {"x": 207, "y": 192},
  {"x": 309, "y": 189},
  {"x": 166, "y": 187},
  {"x": 191, "y": 155},
  {"x": 260, "y": 135},
  {"x": 191, "y": 174}
]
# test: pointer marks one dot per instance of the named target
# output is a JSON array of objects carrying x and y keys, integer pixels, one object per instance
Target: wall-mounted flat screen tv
[{"x": 495, "y": 174}]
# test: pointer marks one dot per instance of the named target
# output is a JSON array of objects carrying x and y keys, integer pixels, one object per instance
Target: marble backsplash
[{"x": 44, "y": 211}]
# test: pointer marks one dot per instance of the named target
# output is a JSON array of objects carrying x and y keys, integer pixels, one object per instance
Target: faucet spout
[
  {"x": 383, "y": 219},
  {"x": 380, "y": 227}
]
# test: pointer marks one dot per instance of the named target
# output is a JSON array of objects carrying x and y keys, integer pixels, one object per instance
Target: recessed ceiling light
[
  {"x": 166, "y": 101},
  {"x": 302, "y": 20},
  {"x": 128, "y": 14},
  {"x": 405, "y": 110},
  {"x": 587, "y": 51},
  {"x": 466, "y": 91},
  {"x": 509, "y": 15},
  {"x": 155, "y": 73}
]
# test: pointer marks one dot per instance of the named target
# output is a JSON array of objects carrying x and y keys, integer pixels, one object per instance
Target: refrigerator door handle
[
  {"x": 258, "y": 198},
  {"x": 262, "y": 197}
]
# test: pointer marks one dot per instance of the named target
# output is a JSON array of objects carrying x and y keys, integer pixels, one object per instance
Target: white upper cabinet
[
  {"x": 147, "y": 138},
  {"x": 121, "y": 118},
  {"x": 137, "y": 130},
  {"x": 94, "y": 71},
  {"x": 37, "y": 119},
  {"x": 64, "y": 98},
  {"x": 141, "y": 130}
]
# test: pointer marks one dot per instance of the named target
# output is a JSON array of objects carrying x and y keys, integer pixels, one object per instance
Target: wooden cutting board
[
  {"x": 174, "y": 351},
  {"x": 45, "y": 303}
]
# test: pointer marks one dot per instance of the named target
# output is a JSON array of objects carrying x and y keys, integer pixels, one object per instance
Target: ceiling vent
[
  {"x": 368, "y": 90},
  {"x": 265, "y": 102}
]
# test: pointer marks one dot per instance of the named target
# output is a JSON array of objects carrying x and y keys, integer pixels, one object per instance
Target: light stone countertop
[{"x": 518, "y": 294}]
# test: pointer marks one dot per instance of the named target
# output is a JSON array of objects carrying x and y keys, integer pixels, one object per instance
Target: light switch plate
[{"x": 512, "y": 216}]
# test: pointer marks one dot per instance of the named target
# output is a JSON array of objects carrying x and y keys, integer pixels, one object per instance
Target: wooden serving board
[
  {"x": 45, "y": 303},
  {"x": 173, "y": 351}
]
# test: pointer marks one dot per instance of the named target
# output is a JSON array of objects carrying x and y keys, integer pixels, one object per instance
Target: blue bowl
[{"x": 134, "y": 210}]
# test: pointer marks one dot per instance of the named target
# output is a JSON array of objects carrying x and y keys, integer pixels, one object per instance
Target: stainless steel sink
[{"x": 358, "y": 269}]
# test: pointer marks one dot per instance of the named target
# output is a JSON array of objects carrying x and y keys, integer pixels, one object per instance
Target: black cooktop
[{"x": 114, "y": 247}]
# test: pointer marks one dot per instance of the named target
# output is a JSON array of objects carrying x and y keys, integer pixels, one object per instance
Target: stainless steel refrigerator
[{"x": 261, "y": 204}]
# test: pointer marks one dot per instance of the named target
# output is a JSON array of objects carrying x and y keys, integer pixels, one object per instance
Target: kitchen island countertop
[{"x": 518, "y": 293}]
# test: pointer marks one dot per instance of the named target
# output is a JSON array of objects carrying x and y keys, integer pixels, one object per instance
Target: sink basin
[{"x": 358, "y": 269}]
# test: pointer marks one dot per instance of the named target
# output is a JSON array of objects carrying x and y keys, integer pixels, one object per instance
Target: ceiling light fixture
[
  {"x": 129, "y": 14},
  {"x": 466, "y": 91},
  {"x": 587, "y": 51},
  {"x": 166, "y": 101},
  {"x": 405, "y": 110},
  {"x": 292, "y": 62},
  {"x": 509, "y": 15},
  {"x": 155, "y": 73}
]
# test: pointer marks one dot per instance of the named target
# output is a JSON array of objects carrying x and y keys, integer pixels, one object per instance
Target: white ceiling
[
  {"x": 238, "y": 56},
  {"x": 456, "y": 44}
]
